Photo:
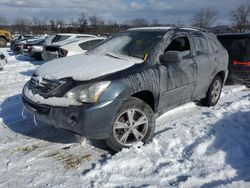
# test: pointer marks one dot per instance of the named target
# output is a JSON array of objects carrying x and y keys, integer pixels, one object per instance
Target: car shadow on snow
[
  {"x": 26, "y": 58},
  {"x": 27, "y": 73},
  {"x": 11, "y": 113},
  {"x": 232, "y": 135}
]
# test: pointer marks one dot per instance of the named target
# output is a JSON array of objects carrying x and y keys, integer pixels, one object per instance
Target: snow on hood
[{"x": 84, "y": 67}]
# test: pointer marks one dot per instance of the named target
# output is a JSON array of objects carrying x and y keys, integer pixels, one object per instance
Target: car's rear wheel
[
  {"x": 213, "y": 94},
  {"x": 3, "y": 41},
  {"x": 133, "y": 123}
]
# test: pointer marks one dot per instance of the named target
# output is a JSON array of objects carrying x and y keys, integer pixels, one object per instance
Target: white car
[
  {"x": 78, "y": 47},
  {"x": 50, "y": 51},
  {"x": 67, "y": 36},
  {"x": 3, "y": 61}
]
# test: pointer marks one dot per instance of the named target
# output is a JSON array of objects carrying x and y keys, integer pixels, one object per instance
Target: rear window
[
  {"x": 59, "y": 38},
  {"x": 89, "y": 44}
]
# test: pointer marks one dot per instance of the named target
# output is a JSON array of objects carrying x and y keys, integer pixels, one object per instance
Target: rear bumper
[
  {"x": 90, "y": 120},
  {"x": 48, "y": 56}
]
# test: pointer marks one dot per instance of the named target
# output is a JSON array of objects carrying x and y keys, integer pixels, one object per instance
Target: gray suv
[{"x": 117, "y": 90}]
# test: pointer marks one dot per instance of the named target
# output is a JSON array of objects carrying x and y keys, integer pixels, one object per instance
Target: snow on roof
[
  {"x": 150, "y": 28},
  {"x": 166, "y": 28},
  {"x": 76, "y": 34}
]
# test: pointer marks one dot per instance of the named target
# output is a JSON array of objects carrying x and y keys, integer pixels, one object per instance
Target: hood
[{"x": 84, "y": 67}]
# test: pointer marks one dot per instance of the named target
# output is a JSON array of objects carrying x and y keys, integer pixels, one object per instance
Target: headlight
[{"x": 87, "y": 94}]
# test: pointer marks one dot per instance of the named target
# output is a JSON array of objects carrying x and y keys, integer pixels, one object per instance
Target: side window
[
  {"x": 200, "y": 45},
  {"x": 89, "y": 45},
  {"x": 180, "y": 44}
]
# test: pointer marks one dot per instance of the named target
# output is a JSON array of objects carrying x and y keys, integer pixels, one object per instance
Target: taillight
[
  {"x": 62, "y": 53},
  {"x": 241, "y": 63}
]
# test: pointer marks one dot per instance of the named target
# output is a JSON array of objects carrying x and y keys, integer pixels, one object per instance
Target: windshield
[
  {"x": 59, "y": 38},
  {"x": 130, "y": 43}
]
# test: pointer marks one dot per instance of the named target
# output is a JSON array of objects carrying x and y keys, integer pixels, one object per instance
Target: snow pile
[{"x": 207, "y": 148}]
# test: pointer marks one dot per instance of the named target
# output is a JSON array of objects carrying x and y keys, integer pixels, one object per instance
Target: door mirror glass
[{"x": 170, "y": 57}]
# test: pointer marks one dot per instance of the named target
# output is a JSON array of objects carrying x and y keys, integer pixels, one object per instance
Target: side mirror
[{"x": 170, "y": 57}]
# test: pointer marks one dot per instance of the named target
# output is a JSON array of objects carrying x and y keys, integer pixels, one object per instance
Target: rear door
[{"x": 201, "y": 57}]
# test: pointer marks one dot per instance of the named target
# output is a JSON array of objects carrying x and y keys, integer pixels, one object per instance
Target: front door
[{"x": 177, "y": 79}]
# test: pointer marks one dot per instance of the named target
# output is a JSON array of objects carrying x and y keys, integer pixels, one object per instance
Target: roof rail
[{"x": 193, "y": 28}]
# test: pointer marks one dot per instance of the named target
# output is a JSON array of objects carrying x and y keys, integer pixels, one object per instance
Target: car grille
[
  {"x": 44, "y": 87},
  {"x": 41, "y": 109}
]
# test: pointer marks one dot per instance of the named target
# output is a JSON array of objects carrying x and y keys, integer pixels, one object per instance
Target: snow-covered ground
[{"x": 193, "y": 146}]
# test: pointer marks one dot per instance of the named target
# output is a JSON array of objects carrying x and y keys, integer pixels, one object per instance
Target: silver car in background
[
  {"x": 50, "y": 51},
  {"x": 78, "y": 47}
]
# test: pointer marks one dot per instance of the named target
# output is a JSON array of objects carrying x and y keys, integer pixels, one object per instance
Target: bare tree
[
  {"x": 241, "y": 18},
  {"x": 204, "y": 18},
  {"x": 3, "y": 21},
  {"x": 139, "y": 22},
  {"x": 60, "y": 25},
  {"x": 155, "y": 22},
  {"x": 96, "y": 21},
  {"x": 83, "y": 22},
  {"x": 21, "y": 25},
  {"x": 97, "y": 24}
]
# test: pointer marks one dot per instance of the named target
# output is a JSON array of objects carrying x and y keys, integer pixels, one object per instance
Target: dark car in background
[
  {"x": 51, "y": 50},
  {"x": 34, "y": 49},
  {"x": 116, "y": 90},
  {"x": 238, "y": 47},
  {"x": 18, "y": 42},
  {"x": 17, "y": 47}
]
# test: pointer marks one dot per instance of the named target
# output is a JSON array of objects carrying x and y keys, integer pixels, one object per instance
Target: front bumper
[{"x": 93, "y": 121}]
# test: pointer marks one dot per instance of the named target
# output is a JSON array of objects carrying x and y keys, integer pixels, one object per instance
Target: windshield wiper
[{"x": 114, "y": 56}]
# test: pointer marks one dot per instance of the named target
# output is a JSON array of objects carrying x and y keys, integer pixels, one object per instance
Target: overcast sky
[{"x": 166, "y": 11}]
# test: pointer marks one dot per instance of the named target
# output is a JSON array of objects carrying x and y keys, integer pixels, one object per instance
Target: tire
[
  {"x": 127, "y": 131},
  {"x": 3, "y": 41},
  {"x": 213, "y": 93}
]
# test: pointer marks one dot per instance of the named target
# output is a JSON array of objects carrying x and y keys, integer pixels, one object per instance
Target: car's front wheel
[
  {"x": 3, "y": 41},
  {"x": 133, "y": 123}
]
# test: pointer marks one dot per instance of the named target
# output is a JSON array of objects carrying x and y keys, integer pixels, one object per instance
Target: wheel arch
[
  {"x": 222, "y": 75},
  {"x": 147, "y": 97}
]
